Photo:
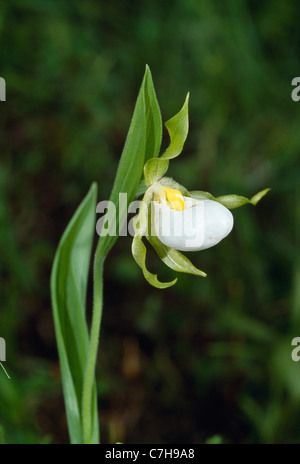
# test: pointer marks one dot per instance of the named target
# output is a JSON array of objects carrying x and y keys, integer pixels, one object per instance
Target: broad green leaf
[
  {"x": 139, "y": 253},
  {"x": 178, "y": 128},
  {"x": 235, "y": 201},
  {"x": 69, "y": 278},
  {"x": 143, "y": 140},
  {"x": 173, "y": 258}
]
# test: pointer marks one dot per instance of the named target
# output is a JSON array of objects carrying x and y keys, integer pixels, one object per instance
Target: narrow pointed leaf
[
  {"x": 153, "y": 118},
  {"x": 173, "y": 258},
  {"x": 143, "y": 140},
  {"x": 68, "y": 294}
]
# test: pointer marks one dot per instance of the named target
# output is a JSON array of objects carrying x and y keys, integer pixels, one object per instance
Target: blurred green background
[{"x": 209, "y": 357}]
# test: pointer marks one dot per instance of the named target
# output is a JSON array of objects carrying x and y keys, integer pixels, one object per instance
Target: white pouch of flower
[{"x": 200, "y": 225}]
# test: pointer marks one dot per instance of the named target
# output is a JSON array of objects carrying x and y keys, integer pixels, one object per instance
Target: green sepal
[
  {"x": 139, "y": 253},
  {"x": 235, "y": 201},
  {"x": 154, "y": 170},
  {"x": 169, "y": 182},
  {"x": 173, "y": 258},
  {"x": 138, "y": 248},
  {"x": 200, "y": 195},
  {"x": 140, "y": 222},
  {"x": 178, "y": 128},
  {"x": 230, "y": 201}
]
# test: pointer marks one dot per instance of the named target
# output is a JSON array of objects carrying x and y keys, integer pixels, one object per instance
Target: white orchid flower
[
  {"x": 179, "y": 220},
  {"x": 188, "y": 224}
]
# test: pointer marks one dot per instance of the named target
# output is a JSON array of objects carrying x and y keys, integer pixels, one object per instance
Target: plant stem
[{"x": 87, "y": 396}]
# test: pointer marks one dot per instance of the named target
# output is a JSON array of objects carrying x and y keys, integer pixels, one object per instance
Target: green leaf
[
  {"x": 139, "y": 253},
  {"x": 178, "y": 128},
  {"x": 69, "y": 278},
  {"x": 173, "y": 258},
  {"x": 235, "y": 201},
  {"x": 143, "y": 141},
  {"x": 153, "y": 118}
]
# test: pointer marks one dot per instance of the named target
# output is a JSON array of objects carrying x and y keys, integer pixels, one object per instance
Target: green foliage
[
  {"x": 143, "y": 140},
  {"x": 154, "y": 170},
  {"x": 78, "y": 351},
  {"x": 212, "y": 355},
  {"x": 69, "y": 280}
]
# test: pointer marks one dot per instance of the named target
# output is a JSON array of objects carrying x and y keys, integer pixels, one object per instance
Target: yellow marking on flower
[{"x": 174, "y": 199}]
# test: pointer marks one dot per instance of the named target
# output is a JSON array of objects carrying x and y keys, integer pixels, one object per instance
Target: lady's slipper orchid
[
  {"x": 180, "y": 220},
  {"x": 200, "y": 224}
]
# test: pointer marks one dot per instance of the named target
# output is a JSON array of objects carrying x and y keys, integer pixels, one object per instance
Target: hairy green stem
[{"x": 87, "y": 396}]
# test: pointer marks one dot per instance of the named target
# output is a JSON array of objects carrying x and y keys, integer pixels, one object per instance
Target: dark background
[{"x": 209, "y": 359}]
